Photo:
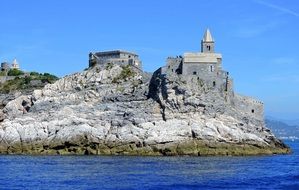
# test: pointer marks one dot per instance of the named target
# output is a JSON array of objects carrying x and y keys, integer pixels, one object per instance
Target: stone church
[{"x": 206, "y": 66}]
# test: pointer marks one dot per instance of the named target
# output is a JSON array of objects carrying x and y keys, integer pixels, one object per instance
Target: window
[
  {"x": 212, "y": 68},
  {"x": 209, "y": 48},
  {"x": 194, "y": 73},
  {"x": 252, "y": 111},
  {"x": 214, "y": 83}
]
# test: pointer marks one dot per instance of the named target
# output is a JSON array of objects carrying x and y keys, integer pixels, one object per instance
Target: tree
[
  {"x": 15, "y": 72},
  {"x": 34, "y": 74}
]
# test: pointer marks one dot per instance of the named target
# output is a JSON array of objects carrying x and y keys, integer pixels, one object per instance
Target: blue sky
[{"x": 258, "y": 38}]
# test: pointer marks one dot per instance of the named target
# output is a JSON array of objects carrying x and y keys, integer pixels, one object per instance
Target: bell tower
[
  {"x": 15, "y": 64},
  {"x": 207, "y": 43}
]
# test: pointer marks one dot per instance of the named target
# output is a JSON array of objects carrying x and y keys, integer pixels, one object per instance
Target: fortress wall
[
  {"x": 210, "y": 75},
  {"x": 173, "y": 65},
  {"x": 114, "y": 61},
  {"x": 128, "y": 56},
  {"x": 115, "y": 57},
  {"x": 249, "y": 105},
  {"x": 212, "y": 82},
  {"x": 119, "y": 61}
]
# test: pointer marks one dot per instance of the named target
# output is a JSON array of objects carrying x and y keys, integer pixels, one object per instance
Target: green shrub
[
  {"x": 126, "y": 73},
  {"x": 34, "y": 74},
  {"x": 15, "y": 72},
  {"x": 48, "y": 78},
  {"x": 12, "y": 85},
  {"x": 2, "y": 73},
  {"x": 27, "y": 80},
  {"x": 24, "y": 83}
]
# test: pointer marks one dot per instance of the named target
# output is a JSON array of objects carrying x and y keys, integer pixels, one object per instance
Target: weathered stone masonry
[
  {"x": 205, "y": 66},
  {"x": 115, "y": 57}
]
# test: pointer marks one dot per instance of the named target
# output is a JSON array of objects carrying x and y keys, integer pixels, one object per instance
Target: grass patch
[
  {"x": 24, "y": 83},
  {"x": 15, "y": 72}
]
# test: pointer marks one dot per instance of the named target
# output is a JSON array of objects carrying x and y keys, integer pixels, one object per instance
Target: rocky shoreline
[
  {"x": 190, "y": 148},
  {"x": 117, "y": 110}
]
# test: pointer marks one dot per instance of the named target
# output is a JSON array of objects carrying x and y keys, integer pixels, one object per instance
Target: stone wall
[
  {"x": 173, "y": 65},
  {"x": 120, "y": 58},
  {"x": 204, "y": 70},
  {"x": 249, "y": 105},
  {"x": 209, "y": 73},
  {"x": 207, "y": 47}
]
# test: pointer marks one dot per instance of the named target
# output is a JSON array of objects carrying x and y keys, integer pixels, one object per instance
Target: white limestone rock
[{"x": 93, "y": 109}]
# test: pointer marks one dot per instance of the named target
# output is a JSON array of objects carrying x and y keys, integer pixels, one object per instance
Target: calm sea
[{"x": 118, "y": 172}]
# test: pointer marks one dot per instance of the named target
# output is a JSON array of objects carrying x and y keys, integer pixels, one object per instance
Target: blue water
[{"x": 118, "y": 172}]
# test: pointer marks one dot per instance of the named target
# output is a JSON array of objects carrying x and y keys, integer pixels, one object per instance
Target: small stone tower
[
  {"x": 15, "y": 65},
  {"x": 5, "y": 66},
  {"x": 207, "y": 43}
]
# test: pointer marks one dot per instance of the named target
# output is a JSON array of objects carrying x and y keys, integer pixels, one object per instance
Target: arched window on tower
[{"x": 209, "y": 48}]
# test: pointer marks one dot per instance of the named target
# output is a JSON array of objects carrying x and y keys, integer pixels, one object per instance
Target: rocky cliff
[{"x": 120, "y": 110}]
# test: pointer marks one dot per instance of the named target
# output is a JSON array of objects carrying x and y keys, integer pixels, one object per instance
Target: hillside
[
  {"x": 21, "y": 83},
  {"x": 25, "y": 82},
  {"x": 283, "y": 130},
  {"x": 114, "y": 109}
]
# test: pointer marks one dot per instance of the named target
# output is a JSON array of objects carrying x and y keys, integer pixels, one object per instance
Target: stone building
[
  {"x": 5, "y": 66},
  {"x": 206, "y": 66},
  {"x": 15, "y": 64},
  {"x": 115, "y": 57}
]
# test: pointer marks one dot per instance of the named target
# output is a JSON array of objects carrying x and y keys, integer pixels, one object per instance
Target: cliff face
[{"x": 119, "y": 110}]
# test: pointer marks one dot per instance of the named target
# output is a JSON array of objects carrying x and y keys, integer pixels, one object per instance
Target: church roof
[{"x": 207, "y": 36}]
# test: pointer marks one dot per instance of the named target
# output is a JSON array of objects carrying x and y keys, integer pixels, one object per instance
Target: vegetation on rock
[
  {"x": 126, "y": 73},
  {"x": 15, "y": 72},
  {"x": 109, "y": 66},
  {"x": 32, "y": 81},
  {"x": 85, "y": 113}
]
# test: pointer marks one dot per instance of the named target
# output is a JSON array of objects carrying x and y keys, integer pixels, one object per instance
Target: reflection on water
[{"x": 118, "y": 172}]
